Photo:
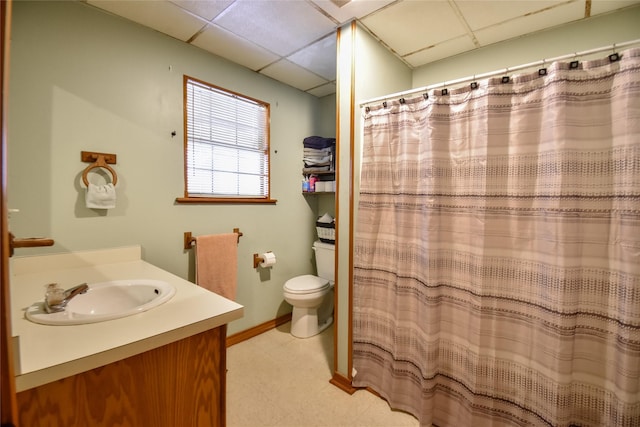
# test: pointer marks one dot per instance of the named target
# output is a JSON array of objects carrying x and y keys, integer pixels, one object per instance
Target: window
[{"x": 226, "y": 146}]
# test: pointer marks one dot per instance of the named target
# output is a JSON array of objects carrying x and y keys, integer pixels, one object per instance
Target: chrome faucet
[{"x": 56, "y": 298}]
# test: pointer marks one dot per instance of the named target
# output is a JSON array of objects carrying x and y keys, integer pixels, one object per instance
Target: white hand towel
[{"x": 101, "y": 196}]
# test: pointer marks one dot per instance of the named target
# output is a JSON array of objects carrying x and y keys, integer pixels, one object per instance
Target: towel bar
[
  {"x": 189, "y": 240},
  {"x": 98, "y": 160}
]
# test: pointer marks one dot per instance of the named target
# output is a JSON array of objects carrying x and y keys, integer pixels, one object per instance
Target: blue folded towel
[{"x": 318, "y": 142}]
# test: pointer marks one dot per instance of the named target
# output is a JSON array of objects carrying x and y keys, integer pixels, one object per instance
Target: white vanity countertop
[{"x": 45, "y": 353}]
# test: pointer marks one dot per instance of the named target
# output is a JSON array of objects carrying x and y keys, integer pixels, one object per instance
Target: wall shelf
[
  {"x": 324, "y": 176},
  {"x": 322, "y": 173}
]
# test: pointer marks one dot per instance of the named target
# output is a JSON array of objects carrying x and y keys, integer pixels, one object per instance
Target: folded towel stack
[{"x": 319, "y": 154}]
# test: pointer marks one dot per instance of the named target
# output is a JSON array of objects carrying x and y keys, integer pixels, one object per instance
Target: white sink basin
[{"x": 106, "y": 301}]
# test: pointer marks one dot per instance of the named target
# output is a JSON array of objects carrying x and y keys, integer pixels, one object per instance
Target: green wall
[{"x": 84, "y": 80}]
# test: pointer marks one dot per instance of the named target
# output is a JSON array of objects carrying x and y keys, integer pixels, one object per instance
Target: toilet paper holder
[{"x": 257, "y": 260}]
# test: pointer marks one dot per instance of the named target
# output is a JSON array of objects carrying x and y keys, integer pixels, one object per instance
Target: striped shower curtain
[{"x": 497, "y": 250}]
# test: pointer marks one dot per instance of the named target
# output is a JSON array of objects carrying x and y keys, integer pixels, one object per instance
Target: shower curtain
[{"x": 497, "y": 250}]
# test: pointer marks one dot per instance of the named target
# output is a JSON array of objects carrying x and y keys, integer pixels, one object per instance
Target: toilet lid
[{"x": 306, "y": 284}]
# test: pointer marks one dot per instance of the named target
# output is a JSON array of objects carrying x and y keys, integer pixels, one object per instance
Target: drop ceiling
[{"x": 294, "y": 41}]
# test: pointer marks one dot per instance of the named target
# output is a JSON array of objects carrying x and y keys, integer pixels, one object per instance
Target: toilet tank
[{"x": 325, "y": 260}]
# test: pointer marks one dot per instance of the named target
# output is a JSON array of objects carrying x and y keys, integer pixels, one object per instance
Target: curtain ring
[
  {"x": 574, "y": 64},
  {"x": 543, "y": 71},
  {"x": 614, "y": 56},
  {"x": 505, "y": 79}
]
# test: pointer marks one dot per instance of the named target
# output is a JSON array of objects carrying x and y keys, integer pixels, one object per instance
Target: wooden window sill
[{"x": 224, "y": 200}]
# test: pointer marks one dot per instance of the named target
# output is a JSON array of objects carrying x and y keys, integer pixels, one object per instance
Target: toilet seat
[{"x": 306, "y": 284}]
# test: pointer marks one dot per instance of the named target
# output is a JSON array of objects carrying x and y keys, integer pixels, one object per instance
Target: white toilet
[{"x": 312, "y": 296}]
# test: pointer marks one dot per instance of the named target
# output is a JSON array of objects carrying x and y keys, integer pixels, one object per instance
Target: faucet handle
[
  {"x": 54, "y": 294},
  {"x": 56, "y": 298}
]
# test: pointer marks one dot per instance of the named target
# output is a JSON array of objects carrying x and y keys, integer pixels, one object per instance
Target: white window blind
[{"x": 227, "y": 153}]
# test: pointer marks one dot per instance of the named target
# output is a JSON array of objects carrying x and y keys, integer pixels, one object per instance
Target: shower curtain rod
[{"x": 498, "y": 72}]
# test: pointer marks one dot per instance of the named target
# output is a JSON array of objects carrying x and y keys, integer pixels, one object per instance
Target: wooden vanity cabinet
[{"x": 180, "y": 384}]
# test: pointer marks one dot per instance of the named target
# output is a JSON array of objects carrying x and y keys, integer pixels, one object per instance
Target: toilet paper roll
[{"x": 269, "y": 259}]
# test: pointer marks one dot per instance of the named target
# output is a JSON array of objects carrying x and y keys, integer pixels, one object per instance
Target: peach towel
[{"x": 217, "y": 263}]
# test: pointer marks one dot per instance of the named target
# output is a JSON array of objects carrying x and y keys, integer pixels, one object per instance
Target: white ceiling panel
[
  {"x": 282, "y": 27},
  {"x": 234, "y": 48},
  {"x": 440, "y": 51},
  {"x": 411, "y": 25},
  {"x": 531, "y": 23},
  {"x": 294, "y": 75},
  {"x": 481, "y": 14},
  {"x": 293, "y": 41},
  {"x": 603, "y": 6},
  {"x": 206, "y": 9},
  {"x": 323, "y": 90},
  {"x": 162, "y": 16},
  {"x": 320, "y": 57},
  {"x": 355, "y": 9}
]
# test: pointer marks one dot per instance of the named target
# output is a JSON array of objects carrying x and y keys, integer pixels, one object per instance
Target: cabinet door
[{"x": 179, "y": 384}]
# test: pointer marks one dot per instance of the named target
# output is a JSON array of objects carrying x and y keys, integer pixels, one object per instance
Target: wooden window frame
[{"x": 188, "y": 199}]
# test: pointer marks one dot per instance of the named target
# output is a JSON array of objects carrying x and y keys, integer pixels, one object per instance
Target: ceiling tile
[
  {"x": 293, "y": 75},
  {"x": 282, "y": 27},
  {"x": 257, "y": 34},
  {"x": 481, "y": 14},
  {"x": 531, "y": 23},
  {"x": 323, "y": 90},
  {"x": 602, "y": 6},
  {"x": 162, "y": 16},
  {"x": 205, "y": 9},
  {"x": 353, "y": 9},
  {"x": 319, "y": 57},
  {"x": 440, "y": 51},
  {"x": 411, "y": 25},
  {"x": 236, "y": 49}
]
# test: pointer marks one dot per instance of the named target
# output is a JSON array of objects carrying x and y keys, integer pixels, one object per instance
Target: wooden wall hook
[{"x": 92, "y": 156}]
